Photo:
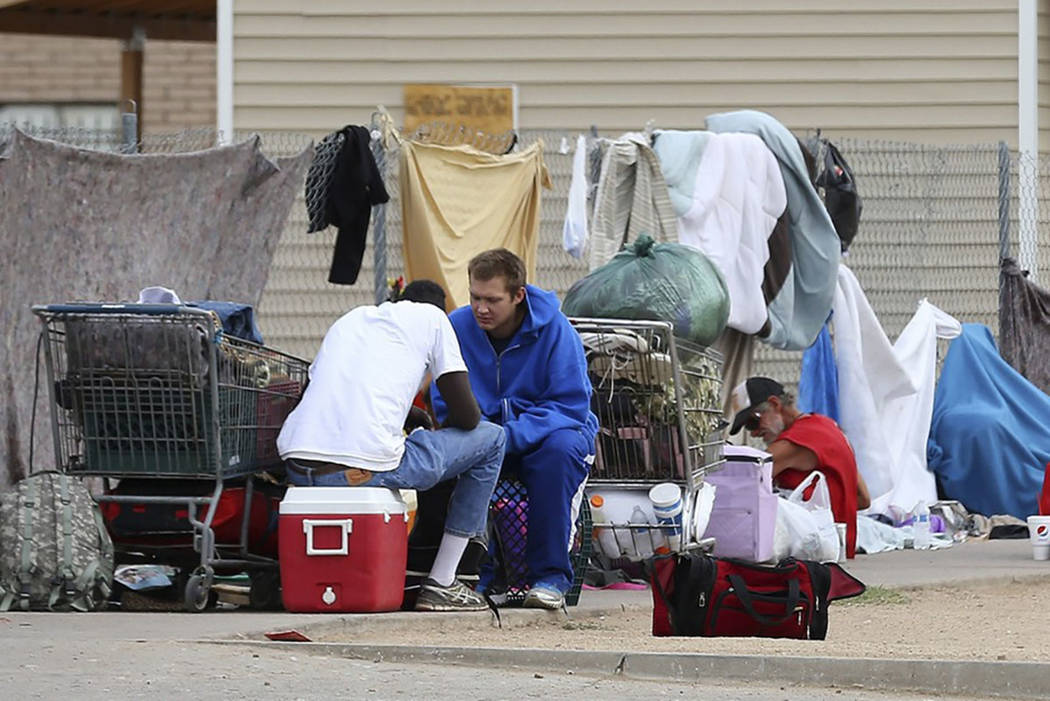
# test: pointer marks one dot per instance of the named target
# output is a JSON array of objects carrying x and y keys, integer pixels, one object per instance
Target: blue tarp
[
  {"x": 990, "y": 437},
  {"x": 818, "y": 387}
]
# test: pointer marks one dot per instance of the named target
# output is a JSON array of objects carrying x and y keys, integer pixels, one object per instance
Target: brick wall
[{"x": 179, "y": 77}]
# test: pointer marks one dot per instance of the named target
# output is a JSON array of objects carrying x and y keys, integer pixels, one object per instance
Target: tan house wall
[
  {"x": 935, "y": 71},
  {"x": 179, "y": 77},
  {"x": 928, "y": 71},
  {"x": 1044, "y": 76}
]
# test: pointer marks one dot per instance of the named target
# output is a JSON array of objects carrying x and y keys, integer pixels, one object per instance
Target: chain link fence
[{"x": 935, "y": 221}]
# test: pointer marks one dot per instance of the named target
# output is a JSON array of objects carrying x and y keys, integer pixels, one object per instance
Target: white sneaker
[{"x": 541, "y": 597}]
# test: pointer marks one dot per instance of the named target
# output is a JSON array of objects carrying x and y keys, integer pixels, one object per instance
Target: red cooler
[{"x": 343, "y": 549}]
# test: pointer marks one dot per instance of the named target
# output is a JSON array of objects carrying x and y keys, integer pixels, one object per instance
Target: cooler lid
[
  {"x": 745, "y": 453},
  {"x": 342, "y": 500}
]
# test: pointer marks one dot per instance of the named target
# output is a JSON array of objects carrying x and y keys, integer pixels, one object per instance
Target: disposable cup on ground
[{"x": 1039, "y": 535}]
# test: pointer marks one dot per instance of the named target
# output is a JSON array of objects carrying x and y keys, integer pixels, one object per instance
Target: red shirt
[{"x": 835, "y": 459}]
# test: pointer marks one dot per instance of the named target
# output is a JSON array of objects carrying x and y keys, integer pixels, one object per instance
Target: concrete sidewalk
[{"x": 967, "y": 562}]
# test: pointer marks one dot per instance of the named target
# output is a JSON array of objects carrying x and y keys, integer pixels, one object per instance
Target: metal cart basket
[
  {"x": 658, "y": 402},
  {"x": 159, "y": 391}
]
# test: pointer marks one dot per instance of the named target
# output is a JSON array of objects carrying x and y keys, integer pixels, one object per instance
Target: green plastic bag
[{"x": 656, "y": 281}]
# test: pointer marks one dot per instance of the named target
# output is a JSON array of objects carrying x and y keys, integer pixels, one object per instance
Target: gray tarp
[
  {"x": 1024, "y": 324},
  {"x": 93, "y": 226}
]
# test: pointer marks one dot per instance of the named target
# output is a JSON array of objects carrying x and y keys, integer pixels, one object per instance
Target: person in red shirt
[{"x": 801, "y": 443}]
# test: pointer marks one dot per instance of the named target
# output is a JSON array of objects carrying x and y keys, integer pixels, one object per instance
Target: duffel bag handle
[{"x": 744, "y": 595}]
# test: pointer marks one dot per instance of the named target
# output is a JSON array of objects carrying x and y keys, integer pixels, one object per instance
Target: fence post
[
  {"x": 1004, "y": 200},
  {"x": 129, "y": 122},
  {"x": 379, "y": 225}
]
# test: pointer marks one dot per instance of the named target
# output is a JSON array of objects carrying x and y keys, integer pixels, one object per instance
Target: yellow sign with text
[{"x": 488, "y": 109}]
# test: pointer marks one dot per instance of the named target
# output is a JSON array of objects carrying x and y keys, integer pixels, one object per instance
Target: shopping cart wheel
[
  {"x": 266, "y": 590},
  {"x": 199, "y": 596}
]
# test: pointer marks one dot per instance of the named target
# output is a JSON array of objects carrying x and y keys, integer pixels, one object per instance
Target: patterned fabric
[
  {"x": 319, "y": 180},
  {"x": 632, "y": 199},
  {"x": 55, "y": 552},
  {"x": 1024, "y": 324},
  {"x": 87, "y": 225}
]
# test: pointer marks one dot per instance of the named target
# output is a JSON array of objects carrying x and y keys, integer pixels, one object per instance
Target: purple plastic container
[{"x": 744, "y": 516}]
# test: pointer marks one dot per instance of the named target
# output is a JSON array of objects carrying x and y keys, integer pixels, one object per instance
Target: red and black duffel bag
[
  {"x": 695, "y": 594},
  {"x": 166, "y": 527}
]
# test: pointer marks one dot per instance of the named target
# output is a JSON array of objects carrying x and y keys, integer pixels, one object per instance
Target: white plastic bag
[{"x": 806, "y": 527}]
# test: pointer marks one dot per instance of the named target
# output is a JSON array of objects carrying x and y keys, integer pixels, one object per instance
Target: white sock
[{"x": 449, "y": 553}]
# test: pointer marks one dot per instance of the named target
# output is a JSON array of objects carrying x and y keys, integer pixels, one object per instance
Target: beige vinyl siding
[
  {"x": 928, "y": 71},
  {"x": 1044, "y": 76},
  {"x": 933, "y": 71}
]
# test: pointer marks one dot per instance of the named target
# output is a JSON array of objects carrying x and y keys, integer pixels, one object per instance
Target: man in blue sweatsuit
[{"x": 528, "y": 371}]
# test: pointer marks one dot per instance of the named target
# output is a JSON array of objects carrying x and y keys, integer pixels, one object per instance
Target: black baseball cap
[{"x": 749, "y": 394}]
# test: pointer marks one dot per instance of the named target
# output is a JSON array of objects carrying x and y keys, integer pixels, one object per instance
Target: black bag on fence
[
  {"x": 695, "y": 594},
  {"x": 841, "y": 198}
]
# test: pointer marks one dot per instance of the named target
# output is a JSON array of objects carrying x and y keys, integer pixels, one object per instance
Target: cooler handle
[{"x": 346, "y": 528}]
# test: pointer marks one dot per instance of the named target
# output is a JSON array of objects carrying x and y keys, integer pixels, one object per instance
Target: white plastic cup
[
  {"x": 1039, "y": 535},
  {"x": 666, "y": 498}
]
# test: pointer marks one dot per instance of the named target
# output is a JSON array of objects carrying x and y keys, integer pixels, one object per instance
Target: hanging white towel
[
  {"x": 906, "y": 420},
  {"x": 886, "y": 394},
  {"x": 869, "y": 377},
  {"x": 736, "y": 195},
  {"x": 574, "y": 235}
]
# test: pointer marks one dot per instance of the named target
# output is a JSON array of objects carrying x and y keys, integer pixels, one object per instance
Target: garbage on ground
[{"x": 144, "y": 577}]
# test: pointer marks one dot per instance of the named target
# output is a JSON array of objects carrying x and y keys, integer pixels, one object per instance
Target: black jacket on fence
[{"x": 342, "y": 186}]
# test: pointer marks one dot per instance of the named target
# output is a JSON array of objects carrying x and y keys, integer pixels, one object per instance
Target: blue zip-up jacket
[{"x": 537, "y": 385}]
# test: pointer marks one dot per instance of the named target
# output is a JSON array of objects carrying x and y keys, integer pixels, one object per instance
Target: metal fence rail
[{"x": 931, "y": 228}]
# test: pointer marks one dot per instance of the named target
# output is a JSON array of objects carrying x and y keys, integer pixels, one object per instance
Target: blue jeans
[
  {"x": 430, "y": 457},
  {"x": 553, "y": 474}
]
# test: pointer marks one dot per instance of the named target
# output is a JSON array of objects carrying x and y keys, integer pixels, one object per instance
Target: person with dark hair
[
  {"x": 349, "y": 428},
  {"x": 801, "y": 443},
  {"x": 425, "y": 292},
  {"x": 529, "y": 373}
]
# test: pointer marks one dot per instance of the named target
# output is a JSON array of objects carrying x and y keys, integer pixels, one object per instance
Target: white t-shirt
[{"x": 370, "y": 367}]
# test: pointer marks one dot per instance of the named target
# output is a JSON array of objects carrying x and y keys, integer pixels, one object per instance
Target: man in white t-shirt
[{"x": 348, "y": 430}]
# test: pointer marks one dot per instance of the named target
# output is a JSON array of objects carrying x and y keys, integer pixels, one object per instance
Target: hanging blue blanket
[
  {"x": 990, "y": 436},
  {"x": 818, "y": 387}
]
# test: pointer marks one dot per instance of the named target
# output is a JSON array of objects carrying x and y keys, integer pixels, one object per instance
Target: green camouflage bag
[{"x": 55, "y": 552}]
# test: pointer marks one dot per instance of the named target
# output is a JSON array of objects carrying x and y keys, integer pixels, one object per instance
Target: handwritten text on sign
[{"x": 488, "y": 109}]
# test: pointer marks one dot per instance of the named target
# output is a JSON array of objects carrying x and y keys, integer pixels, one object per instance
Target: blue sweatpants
[{"x": 553, "y": 474}]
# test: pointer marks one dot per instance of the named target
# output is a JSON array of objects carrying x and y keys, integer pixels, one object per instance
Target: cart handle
[{"x": 117, "y": 308}]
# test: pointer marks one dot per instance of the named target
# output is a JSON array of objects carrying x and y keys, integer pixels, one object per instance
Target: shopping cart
[
  {"x": 160, "y": 398},
  {"x": 658, "y": 400}
]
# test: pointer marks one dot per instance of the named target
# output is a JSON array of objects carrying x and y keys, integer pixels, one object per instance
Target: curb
[{"x": 1023, "y": 680}]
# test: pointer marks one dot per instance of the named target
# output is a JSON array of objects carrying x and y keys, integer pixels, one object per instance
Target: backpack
[
  {"x": 55, "y": 552},
  {"x": 841, "y": 198}
]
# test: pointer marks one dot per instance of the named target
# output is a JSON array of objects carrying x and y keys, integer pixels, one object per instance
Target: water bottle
[
  {"x": 643, "y": 539},
  {"x": 921, "y": 527},
  {"x": 605, "y": 535}
]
